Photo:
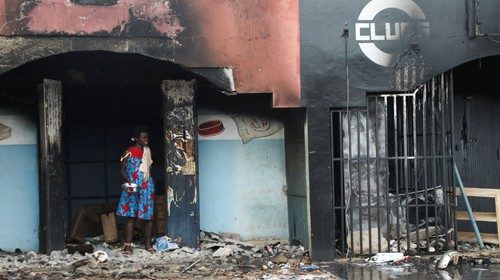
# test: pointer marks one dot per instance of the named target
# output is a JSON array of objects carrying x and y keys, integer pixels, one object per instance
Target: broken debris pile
[
  {"x": 218, "y": 256},
  {"x": 267, "y": 255}
]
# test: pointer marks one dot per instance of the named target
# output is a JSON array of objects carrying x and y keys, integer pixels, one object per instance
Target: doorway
[
  {"x": 88, "y": 110},
  {"x": 97, "y": 128},
  {"x": 477, "y": 137}
]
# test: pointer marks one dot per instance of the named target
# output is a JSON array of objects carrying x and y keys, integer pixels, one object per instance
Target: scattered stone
[
  {"x": 31, "y": 255},
  {"x": 238, "y": 242},
  {"x": 280, "y": 258},
  {"x": 100, "y": 256},
  {"x": 367, "y": 235},
  {"x": 81, "y": 248},
  {"x": 93, "y": 264},
  {"x": 293, "y": 262},
  {"x": 222, "y": 252},
  {"x": 55, "y": 254},
  {"x": 212, "y": 245},
  {"x": 18, "y": 251}
]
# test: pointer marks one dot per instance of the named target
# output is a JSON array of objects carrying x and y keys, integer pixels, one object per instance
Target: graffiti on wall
[
  {"x": 5, "y": 132},
  {"x": 250, "y": 127},
  {"x": 244, "y": 127}
]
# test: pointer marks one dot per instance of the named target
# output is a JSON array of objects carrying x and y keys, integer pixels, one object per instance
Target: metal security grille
[{"x": 392, "y": 172}]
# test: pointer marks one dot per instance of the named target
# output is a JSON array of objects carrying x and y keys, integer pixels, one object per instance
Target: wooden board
[
  {"x": 160, "y": 216},
  {"x": 479, "y": 192},
  {"x": 109, "y": 227},
  {"x": 87, "y": 221},
  {"x": 480, "y": 216},
  {"x": 493, "y": 217},
  {"x": 470, "y": 236}
]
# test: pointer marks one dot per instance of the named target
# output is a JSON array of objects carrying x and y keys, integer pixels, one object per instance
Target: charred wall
[{"x": 259, "y": 39}]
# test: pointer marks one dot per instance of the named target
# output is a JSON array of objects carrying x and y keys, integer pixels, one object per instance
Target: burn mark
[
  {"x": 81, "y": 17},
  {"x": 410, "y": 69},
  {"x": 95, "y": 2},
  {"x": 180, "y": 128}
]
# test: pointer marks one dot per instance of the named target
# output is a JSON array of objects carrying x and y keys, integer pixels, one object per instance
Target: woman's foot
[
  {"x": 127, "y": 249},
  {"x": 150, "y": 250}
]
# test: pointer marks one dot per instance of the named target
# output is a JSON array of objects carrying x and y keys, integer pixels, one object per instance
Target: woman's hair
[{"x": 138, "y": 130}]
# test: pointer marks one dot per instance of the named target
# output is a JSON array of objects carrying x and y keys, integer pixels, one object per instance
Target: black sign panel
[{"x": 352, "y": 47}]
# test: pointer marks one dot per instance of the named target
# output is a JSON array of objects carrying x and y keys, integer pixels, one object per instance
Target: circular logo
[{"x": 366, "y": 28}]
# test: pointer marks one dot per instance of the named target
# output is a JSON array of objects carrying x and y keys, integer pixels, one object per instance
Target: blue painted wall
[
  {"x": 19, "y": 200},
  {"x": 242, "y": 186}
]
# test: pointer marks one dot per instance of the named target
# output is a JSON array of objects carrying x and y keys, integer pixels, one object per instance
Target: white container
[
  {"x": 129, "y": 187},
  {"x": 385, "y": 257}
]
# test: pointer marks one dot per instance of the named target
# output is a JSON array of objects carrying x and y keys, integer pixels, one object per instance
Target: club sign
[{"x": 368, "y": 31}]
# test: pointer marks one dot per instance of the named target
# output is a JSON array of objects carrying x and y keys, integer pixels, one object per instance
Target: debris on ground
[
  {"x": 236, "y": 259},
  {"x": 450, "y": 257},
  {"x": 386, "y": 258}
]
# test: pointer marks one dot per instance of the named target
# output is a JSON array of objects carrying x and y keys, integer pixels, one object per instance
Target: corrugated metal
[
  {"x": 477, "y": 132},
  {"x": 479, "y": 148}
]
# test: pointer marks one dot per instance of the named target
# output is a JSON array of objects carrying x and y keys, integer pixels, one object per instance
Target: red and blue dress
[{"x": 141, "y": 203}]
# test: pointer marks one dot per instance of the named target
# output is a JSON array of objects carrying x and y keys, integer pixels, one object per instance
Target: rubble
[
  {"x": 452, "y": 257},
  {"x": 385, "y": 258},
  {"x": 217, "y": 257},
  {"x": 222, "y": 252}
]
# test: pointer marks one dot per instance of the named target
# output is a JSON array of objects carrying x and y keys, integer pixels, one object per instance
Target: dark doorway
[
  {"x": 104, "y": 96},
  {"x": 392, "y": 172},
  {"x": 98, "y": 127},
  {"x": 477, "y": 137}
]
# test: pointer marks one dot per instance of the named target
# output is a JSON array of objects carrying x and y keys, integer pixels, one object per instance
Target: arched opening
[
  {"x": 477, "y": 140},
  {"x": 88, "y": 103},
  {"x": 104, "y": 95}
]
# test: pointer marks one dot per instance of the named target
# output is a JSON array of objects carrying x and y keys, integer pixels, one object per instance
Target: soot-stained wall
[
  {"x": 392, "y": 45},
  {"x": 259, "y": 39}
]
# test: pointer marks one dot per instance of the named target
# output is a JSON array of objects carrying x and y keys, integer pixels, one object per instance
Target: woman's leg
[
  {"x": 129, "y": 233},
  {"x": 148, "y": 228}
]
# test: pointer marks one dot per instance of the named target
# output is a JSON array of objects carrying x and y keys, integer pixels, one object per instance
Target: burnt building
[{"x": 335, "y": 123}]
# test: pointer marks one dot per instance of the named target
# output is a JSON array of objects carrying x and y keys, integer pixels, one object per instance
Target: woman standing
[{"x": 135, "y": 168}]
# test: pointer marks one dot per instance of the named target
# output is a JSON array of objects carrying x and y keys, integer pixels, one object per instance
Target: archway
[
  {"x": 477, "y": 135},
  {"x": 97, "y": 90},
  {"x": 87, "y": 108}
]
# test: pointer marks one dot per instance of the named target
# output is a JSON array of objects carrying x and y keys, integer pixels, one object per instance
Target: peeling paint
[
  {"x": 195, "y": 196},
  {"x": 256, "y": 40},
  {"x": 184, "y": 160},
  {"x": 180, "y": 128},
  {"x": 180, "y": 96},
  {"x": 170, "y": 198},
  {"x": 230, "y": 76},
  {"x": 65, "y": 17}
]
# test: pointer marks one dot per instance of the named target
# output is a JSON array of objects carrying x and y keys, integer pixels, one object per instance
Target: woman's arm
[{"x": 123, "y": 167}]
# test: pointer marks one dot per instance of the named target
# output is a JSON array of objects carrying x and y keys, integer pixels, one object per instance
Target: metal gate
[{"x": 392, "y": 172}]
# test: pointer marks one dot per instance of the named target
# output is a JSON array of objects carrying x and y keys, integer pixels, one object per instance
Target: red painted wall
[{"x": 259, "y": 38}]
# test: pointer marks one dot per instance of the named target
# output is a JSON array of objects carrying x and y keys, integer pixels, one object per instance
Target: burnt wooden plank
[
  {"x": 51, "y": 167},
  {"x": 320, "y": 184},
  {"x": 181, "y": 161}
]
